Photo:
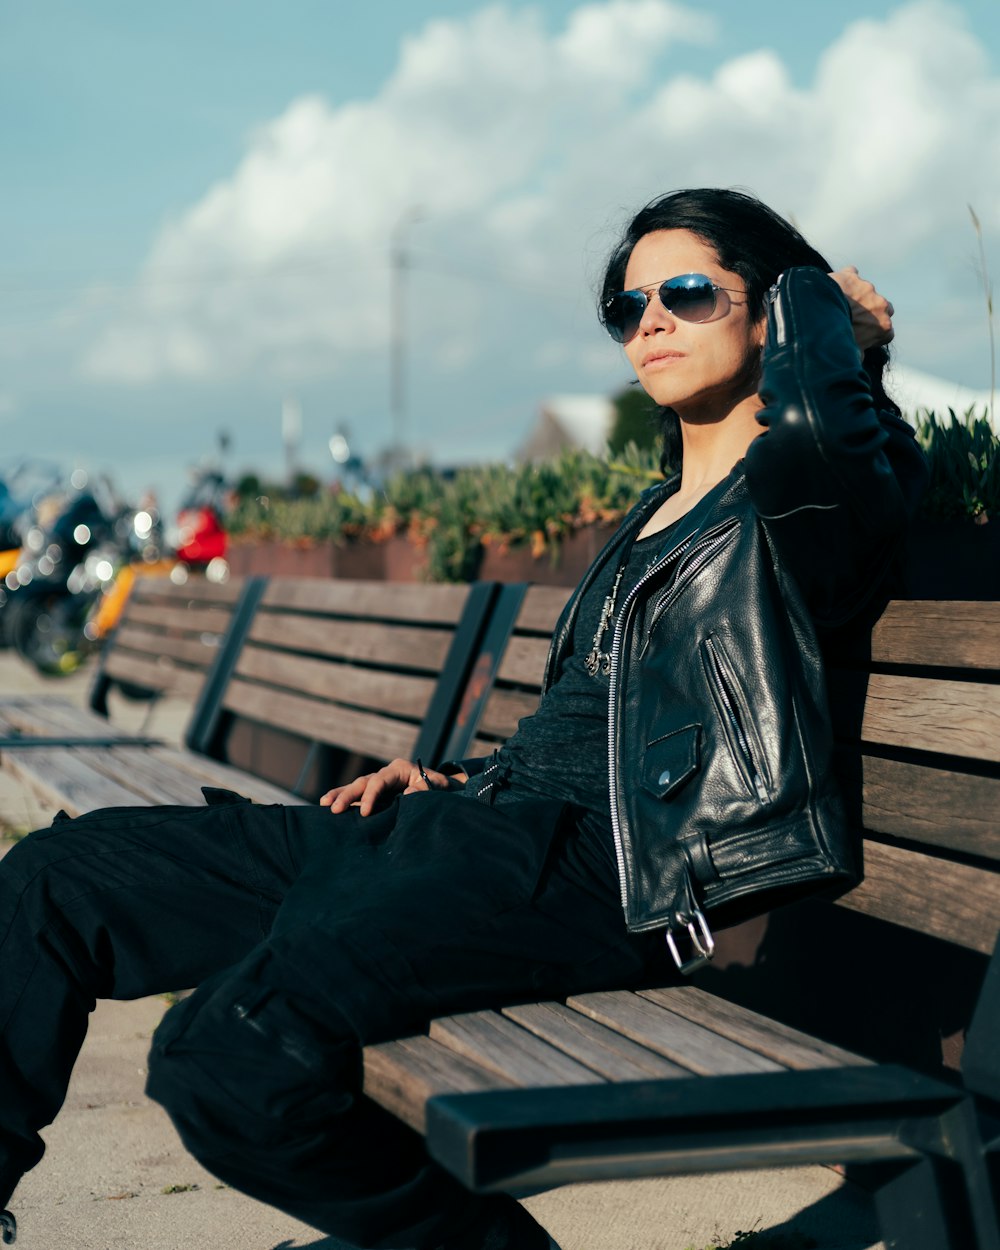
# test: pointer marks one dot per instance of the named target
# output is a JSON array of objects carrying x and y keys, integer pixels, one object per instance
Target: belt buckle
[{"x": 702, "y": 942}]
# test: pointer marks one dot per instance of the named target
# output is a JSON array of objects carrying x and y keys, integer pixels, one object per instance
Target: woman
[{"x": 675, "y": 776}]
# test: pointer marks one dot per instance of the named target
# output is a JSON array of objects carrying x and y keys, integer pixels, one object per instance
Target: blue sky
[{"x": 199, "y": 199}]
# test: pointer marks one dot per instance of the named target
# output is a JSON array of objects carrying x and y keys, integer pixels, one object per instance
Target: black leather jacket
[{"x": 723, "y": 801}]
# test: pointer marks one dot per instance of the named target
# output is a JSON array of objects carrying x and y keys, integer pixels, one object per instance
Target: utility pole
[
  {"x": 291, "y": 435},
  {"x": 399, "y": 264}
]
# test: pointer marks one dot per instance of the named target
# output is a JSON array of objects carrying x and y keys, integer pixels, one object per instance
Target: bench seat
[{"x": 107, "y": 767}]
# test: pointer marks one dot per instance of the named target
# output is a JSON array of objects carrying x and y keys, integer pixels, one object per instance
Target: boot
[{"x": 8, "y": 1228}]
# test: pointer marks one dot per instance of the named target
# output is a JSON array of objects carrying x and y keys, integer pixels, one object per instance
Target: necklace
[{"x": 599, "y": 661}]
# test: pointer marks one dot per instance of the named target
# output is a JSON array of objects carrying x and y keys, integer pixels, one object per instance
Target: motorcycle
[
  {"x": 28, "y": 489},
  {"x": 199, "y": 538},
  {"x": 72, "y": 578}
]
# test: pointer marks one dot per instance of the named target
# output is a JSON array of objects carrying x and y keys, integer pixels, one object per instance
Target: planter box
[
  {"x": 402, "y": 560},
  {"x": 355, "y": 560},
  {"x": 572, "y": 559}
]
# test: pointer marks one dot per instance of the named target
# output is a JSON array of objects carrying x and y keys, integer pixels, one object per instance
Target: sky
[{"x": 201, "y": 204}]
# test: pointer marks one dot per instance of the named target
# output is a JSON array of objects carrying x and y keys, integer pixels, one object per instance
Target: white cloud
[
  {"x": 518, "y": 147},
  {"x": 909, "y": 122},
  {"x": 618, "y": 42}
]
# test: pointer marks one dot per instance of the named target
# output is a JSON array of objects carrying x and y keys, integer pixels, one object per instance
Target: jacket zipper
[
  {"x": 706, "y": 545},
  {"x": 778, "y": 312},
  {"x": 718, "y": 675}
]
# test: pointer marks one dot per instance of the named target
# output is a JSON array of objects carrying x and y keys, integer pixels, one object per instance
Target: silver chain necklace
[
  {"x": 599, "y": 661},
  {"x": 596, "y": 660}
]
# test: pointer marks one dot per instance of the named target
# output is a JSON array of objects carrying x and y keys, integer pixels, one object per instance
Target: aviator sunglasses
[{"x": 689, "y": 297}]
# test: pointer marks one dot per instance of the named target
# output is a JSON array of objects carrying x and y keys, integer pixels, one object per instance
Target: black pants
[{"x": 308, "y": 936}]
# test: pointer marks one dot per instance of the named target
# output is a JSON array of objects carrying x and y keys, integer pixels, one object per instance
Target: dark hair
[{"x": 750, "y": 240}]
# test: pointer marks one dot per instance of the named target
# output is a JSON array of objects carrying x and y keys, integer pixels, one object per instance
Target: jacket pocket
[
  {"x": 671, "y": 760},
  {"x": 734, "y": 712}
]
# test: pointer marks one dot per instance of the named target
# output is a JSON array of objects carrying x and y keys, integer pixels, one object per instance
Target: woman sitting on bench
[{"x": 676, "y": 776}]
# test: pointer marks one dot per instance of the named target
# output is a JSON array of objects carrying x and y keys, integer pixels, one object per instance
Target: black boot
[{"x": 8, "y": 1228}]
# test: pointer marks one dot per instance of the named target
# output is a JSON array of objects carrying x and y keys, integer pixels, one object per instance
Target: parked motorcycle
[
  {"x": 73, "y": 576},
  {"x": 27, "y": 488},
  {"x": 199, "y": 538}
]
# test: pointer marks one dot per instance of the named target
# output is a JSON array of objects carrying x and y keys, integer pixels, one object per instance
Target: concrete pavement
[{"x": 115, "y": 1176}]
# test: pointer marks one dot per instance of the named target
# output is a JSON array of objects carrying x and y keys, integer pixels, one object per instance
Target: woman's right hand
[
  {"x": 871, "y": 312},
  {"x": 373, "y": 791}
]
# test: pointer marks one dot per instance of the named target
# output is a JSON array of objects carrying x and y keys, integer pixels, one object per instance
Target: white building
[{"x": 569, "y": 422}]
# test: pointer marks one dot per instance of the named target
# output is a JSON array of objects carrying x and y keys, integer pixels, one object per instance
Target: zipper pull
[{"x": 776, "y": 315}]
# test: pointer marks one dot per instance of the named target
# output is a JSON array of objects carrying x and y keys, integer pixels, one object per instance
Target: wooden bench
[
  {"x": 311, "y": 682},
  {"x": 541, "y": 1094},
  {"x": 601, "y": 1086}
]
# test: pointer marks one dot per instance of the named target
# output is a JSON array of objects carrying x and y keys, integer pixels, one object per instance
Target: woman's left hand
[{"x": 871, "y": 313}]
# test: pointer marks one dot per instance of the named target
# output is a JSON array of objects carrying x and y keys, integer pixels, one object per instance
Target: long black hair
[{"x": 750, "y": 240}]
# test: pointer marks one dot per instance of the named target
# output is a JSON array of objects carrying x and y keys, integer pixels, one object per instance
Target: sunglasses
[{"x": 689, "y": 297}]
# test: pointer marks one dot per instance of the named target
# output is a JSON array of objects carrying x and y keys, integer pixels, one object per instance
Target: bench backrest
[
  {"x": 336, "y": 676},
  {"x": 918, "y": 723},
  {"x": 167, "y": 639}
]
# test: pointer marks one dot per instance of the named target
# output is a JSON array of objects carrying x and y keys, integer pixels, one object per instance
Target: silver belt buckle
[{"x": 701, "y": 941}]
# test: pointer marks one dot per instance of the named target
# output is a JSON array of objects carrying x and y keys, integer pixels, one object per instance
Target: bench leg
[{"x": 944, "y": 1200}]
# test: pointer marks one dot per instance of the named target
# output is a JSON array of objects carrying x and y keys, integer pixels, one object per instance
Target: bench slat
[
  {"x": 503, "y": 709},
  {"x": 139, "y": 640},
  {"x": 402, "y": 1075},
  {"x": 154, "y": 674},
  {"x": 786, "y": 1046},
  {"x": 524, "y": 661},
  {"x": 957, "y": 811},
  {"x": 949, "y": 634},
  {"x": 148, "y": 589},
  {"x": 927, "y": 714},
  {"x": 135, "y": 769},
  {"x": 690, "y": 1045},
  {"x": 401, "y": 694},
  {"x": 612, "y": 1056},
  {"x": 540, "y": 609},
  {"x": 363, "y": 732},
  {"x": 67, "y": 781},
  {"x": 53, "y": 718},
  {"x": 933, "y": 896},
  {"x": 385, "y": 645},
  {"x": 441, "y": 604},
  {"x": 208, "y": 772},
  {"x": 186, "y": 620},
  {"x": 500, "y": 1045},
  {"x": 165, "y": 775}
]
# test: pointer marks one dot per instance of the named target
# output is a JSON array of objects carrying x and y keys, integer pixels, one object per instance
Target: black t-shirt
[{"x": 561, "y": 750}]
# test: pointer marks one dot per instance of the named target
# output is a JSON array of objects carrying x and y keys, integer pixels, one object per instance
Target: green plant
[
  {"x": 962, "y": 454},
  {"x": 453, "y": 516},
  {"x": 754, "y": 1239},
  {"x": 337, "y": 516}
]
